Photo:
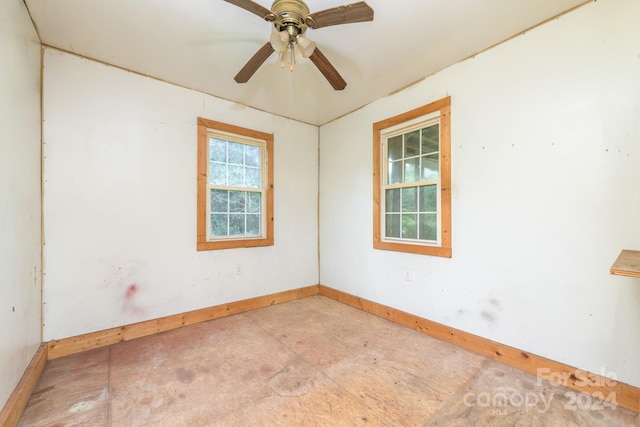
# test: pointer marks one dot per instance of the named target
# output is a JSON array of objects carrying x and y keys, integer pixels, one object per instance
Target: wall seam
[
  {"x": 41, "y": 192},
  {"x": 318, "y": 206}
]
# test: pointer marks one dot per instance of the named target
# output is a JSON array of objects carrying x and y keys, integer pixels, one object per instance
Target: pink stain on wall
[
  {"x": 131, "y": 291},
  {"x": 130, "y": 305}
]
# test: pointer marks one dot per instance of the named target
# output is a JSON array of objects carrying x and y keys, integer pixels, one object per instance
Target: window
[
  {"x": 235, "y": 187},
  {"x": 412, "y": 181}
]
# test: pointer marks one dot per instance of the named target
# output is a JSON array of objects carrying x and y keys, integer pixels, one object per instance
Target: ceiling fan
[{"x": 291, "y": 18}]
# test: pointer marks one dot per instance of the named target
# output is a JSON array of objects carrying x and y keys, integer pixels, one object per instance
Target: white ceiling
[{"x": 202, "y": 44}]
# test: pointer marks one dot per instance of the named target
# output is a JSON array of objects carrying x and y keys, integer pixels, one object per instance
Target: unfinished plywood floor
[{"x": 309, "y": 362}]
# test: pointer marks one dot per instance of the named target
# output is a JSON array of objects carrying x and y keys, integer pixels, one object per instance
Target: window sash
[
  {"x": 261, "y": 189},
  {"x": 403, "y": 129},
  {"x": 230, "y": 214}
]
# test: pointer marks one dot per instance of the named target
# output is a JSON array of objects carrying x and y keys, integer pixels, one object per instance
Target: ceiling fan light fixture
[
  {"x": 279, "y": 41},
  {"x": 290, "y": 53},
  {"x": 284, "y": 42},
  {"x": 305, "y": 45}
]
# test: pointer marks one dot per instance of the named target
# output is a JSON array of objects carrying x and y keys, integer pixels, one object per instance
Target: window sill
[
  {"x": 627, "y": 264},
  {"x": 231, "y": 244},
  {"x": 414, "y": 249}
]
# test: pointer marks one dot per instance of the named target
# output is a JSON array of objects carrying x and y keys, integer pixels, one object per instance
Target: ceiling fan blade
[
  {"x": 254, "y": 7},
  {"x": 254, "y": 63},
  {"x": 327, "y": 70},
  {"x": 345, "y": 14}
]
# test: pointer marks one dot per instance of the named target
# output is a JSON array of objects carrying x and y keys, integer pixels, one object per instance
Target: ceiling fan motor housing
[{"x": 290, "y": 13}]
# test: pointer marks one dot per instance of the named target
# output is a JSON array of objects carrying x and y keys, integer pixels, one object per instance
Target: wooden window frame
[
  {"x": 203, "y": 242},
  {"x": 444, "y": 248}
]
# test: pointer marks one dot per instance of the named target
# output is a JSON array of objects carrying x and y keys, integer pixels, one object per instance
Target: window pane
[
  {"x": 428, "y": 227},
  {"x": 217, "y": 150},
  {"x": 412, "y": 144},
  {"x": 431, "y": 166},
  {"x": 393, "y": 200},
  {"x": 430, "y": 139},
  {"x": 395, "y": 172},
  {"x": 411, "y": 170},
  {"x": 237, "y": 165},
  {"x": 410, "y": 199},
  {"x": 252, "y": 177},
  {"x": 219, "y": 225},
  {"x": 218, "y": 172},
  {"x": 236, "y": 153},
  {"x": 253, "y": 224},
  {"x": 219, "y": 201},
  {"x": 428, "y": 198},
  {"x": 409, "y": 226},
  {"x": 395, "y": 148},
  {"x": 392, "y": 225},
  {"x": 236, "y": 176},
  {"x": 236, "y": 224},
  {"x": 254, "y": 202},
  {"x": 236, "y": 201},
  {"x": 252, "y": 155}
]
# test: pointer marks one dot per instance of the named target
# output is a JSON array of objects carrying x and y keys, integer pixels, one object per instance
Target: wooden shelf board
[{"x": 627, "y": 264}]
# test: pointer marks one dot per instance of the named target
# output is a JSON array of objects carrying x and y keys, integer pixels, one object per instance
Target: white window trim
[
  {"x": 391, "y": 132},
  {"x": 260, "y": 143}
]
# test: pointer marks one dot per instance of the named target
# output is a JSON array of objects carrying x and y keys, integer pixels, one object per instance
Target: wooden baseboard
[
  {"x": 80, "y": 343},
  {"x": 626, "y": 396},
  {"x": 12, "y": 410}
]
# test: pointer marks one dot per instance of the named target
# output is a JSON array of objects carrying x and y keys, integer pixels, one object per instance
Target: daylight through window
[
  {"x": 234, "y": 186},
  {"x": 412, "y": 178}
]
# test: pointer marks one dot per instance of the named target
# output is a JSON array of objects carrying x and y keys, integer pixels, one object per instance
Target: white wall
[
  {"x": 546, "y": 192},
  {"x": 20, "y": 205},
  {"x": 120, "y": 201}
]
